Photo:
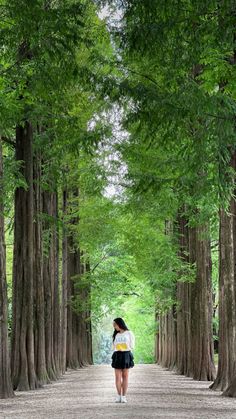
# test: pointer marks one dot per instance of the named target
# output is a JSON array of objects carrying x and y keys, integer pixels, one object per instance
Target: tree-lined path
[
  {"x": 89, "y": 393},
  {"x": 117, "y": 199}
]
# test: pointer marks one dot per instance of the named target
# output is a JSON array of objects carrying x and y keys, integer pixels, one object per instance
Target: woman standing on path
[{"x": 122, "y": 357}]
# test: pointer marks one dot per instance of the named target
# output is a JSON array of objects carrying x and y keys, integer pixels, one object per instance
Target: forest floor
[{"x": 89, "y": 393}]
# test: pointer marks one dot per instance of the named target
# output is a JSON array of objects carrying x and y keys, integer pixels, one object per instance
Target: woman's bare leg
[
  {"x": 118, "y": 375},
  {"x": 125, "y": 376}
]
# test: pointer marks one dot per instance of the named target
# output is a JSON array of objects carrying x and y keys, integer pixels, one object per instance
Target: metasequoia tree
[
  {"x": 179, "y": 110},
  {"x": 185, "y": 331},
  {"x": 225, "y": 379},
  {"x": 51, "y": 104},
  {"x": 39, "y": 286},
  {"x": 22, "y": 359},
  {"x": 79, "y": 343},
  {"x": 6, "y": 389}
]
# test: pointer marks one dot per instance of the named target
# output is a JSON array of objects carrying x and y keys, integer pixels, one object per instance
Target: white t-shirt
[{"x": 124, "y": 341}]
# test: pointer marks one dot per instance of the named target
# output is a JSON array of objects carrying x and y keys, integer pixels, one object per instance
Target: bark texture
[
  {"x": 22, "y": 359},
  {"x": 185, "y": 336},
  {"x": 51, "y": 283},
  {"x": 64, "y": 291},
  {"x": 6, "y": 389},
  {"x": 202, "y": 351},
  {"x": 225, "y": 380},
  {"x": 79, "y": 338},
  {"x": 184, "y": 304},
  {"x": 39, "y": 303}
]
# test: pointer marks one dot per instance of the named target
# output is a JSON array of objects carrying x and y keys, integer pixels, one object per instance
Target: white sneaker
[
  {"x": 118, "y": 399},
  {"x": 123, "y": 399}
]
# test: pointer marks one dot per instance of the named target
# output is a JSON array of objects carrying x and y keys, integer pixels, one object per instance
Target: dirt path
[{"x": 89, "y": 393}]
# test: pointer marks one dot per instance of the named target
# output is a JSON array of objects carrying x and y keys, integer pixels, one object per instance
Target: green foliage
[
  {"x": 175, "y": 61},
  {"x": 177, "y": 95},
  {"x": 139, "y": 315},
  {"x": 166, "y": 73}
]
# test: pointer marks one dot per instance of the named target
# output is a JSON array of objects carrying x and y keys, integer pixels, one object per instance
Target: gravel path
[{"x": 89, "y": 393}]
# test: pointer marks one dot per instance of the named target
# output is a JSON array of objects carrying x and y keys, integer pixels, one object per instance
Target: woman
[{"x": 122, "y": 357}]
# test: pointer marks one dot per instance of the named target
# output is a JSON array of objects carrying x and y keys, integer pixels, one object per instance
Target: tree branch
[{"x": 98, "y": 263}]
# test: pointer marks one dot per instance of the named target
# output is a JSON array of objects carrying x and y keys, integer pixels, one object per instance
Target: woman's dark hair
[{"x": 120, "y": 322}]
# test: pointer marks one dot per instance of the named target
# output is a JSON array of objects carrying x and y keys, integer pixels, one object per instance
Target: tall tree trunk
[
  {"x": 22, "y": 360},
  {"x": 227, "y": 299},
  {"x": 56, "y": 302},
  {"x": 79, "y": 339},
  {"x": 167, "y": 351},
  {"x": 64, "y": 301},
  {"x": 230, "y": 391},
  {"x": 6, "y": 389},
  {"x": 85, "y": 297},
  {"x": 83, "y": 315},
  {"x": 88, "y": 319},
  {"x": 157, "y": 337},
  {"x": 74, "y": 349},
  {"x": 195, "y": 353},
  {"x": 183, "y": 298},
  {"x": 173, "y": 338},
  {"x": 215, "y": 323},
  {"x": 74, "y": 356},
  {"x": 161, "y": 340},
  {"x": 40, "y": 356},
  {"x": 202, "y": 351},
  {"x": 227, "y": 325},
  {"x": 50, "y": 279}
]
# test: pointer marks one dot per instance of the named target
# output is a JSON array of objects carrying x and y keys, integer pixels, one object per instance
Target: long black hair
[{"x": 120, "y": 322}]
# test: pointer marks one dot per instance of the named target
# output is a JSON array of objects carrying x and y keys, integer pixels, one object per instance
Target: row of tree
[
  {"x": 51, "y": 55},
  {"x": 67, "y": 235},
  {"x": 171, "y": 75},
  {"x": 178, "y": 96}
]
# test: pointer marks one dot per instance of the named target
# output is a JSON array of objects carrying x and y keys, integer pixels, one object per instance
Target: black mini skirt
[{"x": 122, "y": 359}]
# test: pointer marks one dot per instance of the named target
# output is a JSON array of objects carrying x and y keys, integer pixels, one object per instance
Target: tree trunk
[
  {"x": 166, "y": 349},
  {"x": 79, "y": 339},
  {"x": 74, "y": 348},
  {"x": 88, "y": 319},
  {"x": 195, "y": 353},
  {"x": 202, "y": 351},
  {"x": 225, "y": 380},
  {"x": 161, "y": 340},
  {"x": 6, "y": 389},
  {"x": 40, "y": 356},
  {"x": 173, "y": 338},
  {"x": 167, "y": 340},
  {"x": 83, "y": 333},
  {"x": 183, "y": 298},
  {"x": 64, "y": 302},
  {"x": 230, "y": 391},
  {"x": 56, "y": 302},
  {"x": 227, "y": 325},
  {"x": 50, "y": 279},
  {"x": 22, "y": 360},
  {"x": 157, "y": 337}
]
